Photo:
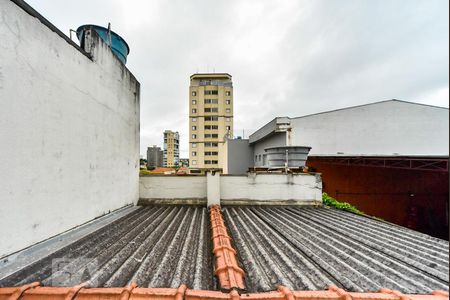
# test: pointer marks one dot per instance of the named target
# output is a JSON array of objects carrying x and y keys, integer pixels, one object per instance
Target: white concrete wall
[
  {"x": 69, "y": 132},
  {"x": 239, "y": 189},
  {"x": 385, "y": 128},
  {"x": 165, "y": 187},
  {"x": 271, "y": 188}
]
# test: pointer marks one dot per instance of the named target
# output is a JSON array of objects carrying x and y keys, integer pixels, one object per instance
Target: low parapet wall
[
  {"x": 256, "y": 189},
  {"x": 271, "y": 189},
  {"x": 164, "y": 189}
]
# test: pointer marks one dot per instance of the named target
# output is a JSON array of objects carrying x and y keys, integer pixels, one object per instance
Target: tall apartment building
[
  {"x": 154, "y": 157},
  {"x": 210, "y": 119},
  {"x": 171, "y": 148}
]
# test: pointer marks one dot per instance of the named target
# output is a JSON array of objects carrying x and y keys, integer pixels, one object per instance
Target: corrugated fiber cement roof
[{"x": 302, "y": 248}]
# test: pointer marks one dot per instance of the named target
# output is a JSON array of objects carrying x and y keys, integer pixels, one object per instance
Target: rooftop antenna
[
  {"x": 70, "y": 32},
  {"x": 109, "y": 34}
]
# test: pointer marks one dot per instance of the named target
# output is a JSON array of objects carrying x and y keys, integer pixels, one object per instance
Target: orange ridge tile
[
  {"x": 227, "y": 269},
  {"x": 81, "y": 292}
]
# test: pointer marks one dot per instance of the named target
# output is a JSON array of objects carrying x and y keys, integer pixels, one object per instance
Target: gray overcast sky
[{"x": 287, "y": 58}]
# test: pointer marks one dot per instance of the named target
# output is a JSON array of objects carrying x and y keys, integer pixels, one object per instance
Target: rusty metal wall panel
[{"x": 416, "y": 199}]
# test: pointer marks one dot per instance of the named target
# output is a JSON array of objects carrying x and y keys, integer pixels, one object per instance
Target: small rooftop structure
[{"x": 118, "y": 45}]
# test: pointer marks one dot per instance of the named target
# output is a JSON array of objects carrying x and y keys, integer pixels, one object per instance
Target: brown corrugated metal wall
[{"x": 417, "y": 199}]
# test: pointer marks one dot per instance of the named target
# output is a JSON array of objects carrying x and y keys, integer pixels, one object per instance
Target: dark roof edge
[
  {"x": 201, "y": 74},
  {"x": 266, "y": 126},
  {"x": 367, "y": 104},
  {"x": 31, "y": 11}
]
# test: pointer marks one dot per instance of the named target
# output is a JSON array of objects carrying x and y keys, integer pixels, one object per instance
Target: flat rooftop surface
[
  {"x": 159, "y": 246},
  {"x": 311, "y": 248}
]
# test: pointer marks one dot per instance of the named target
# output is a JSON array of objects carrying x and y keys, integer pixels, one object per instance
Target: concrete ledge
[
  {"x": 178, "y": 201},
  {"x": 290, "y": 202}
]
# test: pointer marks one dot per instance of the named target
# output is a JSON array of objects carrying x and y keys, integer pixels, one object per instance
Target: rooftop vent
[
  {"x": 286, "y": 156},
  {"x": 118, "y": 45}
]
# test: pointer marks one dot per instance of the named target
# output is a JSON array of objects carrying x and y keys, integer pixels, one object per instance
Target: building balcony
[{"x": 212, "y": 83}]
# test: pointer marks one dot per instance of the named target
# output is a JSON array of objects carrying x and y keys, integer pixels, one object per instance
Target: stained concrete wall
[
  {"x": 234, "y": 189},
  {"x": 171, "y": 189},
  {"x": 271, "y": 188},
  {"x": 69, "y": 128},
  {"x": 383, "y": 128}
]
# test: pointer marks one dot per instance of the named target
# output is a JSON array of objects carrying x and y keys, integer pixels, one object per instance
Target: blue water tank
[{"x": 118, "y": 45}]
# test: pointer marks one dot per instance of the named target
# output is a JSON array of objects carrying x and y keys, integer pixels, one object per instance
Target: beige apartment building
[
  {"x": 210, "y": 120},
  {"x": 171, "y": 152}
]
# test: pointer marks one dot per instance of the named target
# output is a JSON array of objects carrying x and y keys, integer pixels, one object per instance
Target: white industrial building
[
  {"x": 391, "y": 127},
  {"x": 386, "y": 128}
]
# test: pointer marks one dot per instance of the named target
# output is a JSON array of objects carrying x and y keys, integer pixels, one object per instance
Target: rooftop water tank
[
  {"x": 118, "y": 45},
  {"x": 294, "y": 156}
]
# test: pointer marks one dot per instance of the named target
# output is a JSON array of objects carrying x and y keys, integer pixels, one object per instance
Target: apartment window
[
  {"x": 228, "y": 110},
  {"x": 228, "y": 127},
  {"x": 211, "y": 144},
  {"x": 209, "y": 136},
  {"x": 194, "y": 93},
  {"x": 215, "y": 92},
  {"x": 227, "y": 93},
  {"x": 211, "y": 109},
  {"x": 194, "y": 145},
  {"x": 194, "y": 136},
  {"x": 256, "y": 158},
  {"x": 194, "y": 119},
  {"x": 194, "y": 127},
  {"x": 194, "y": 110},
  {"x": 211, "y": 101},
  {"x": 211, "y": 162},
  {"x": 194, "y": 102},
  {"x": 209, "y": 127},
  {"x": 228, "y": 102},
  {"x": 194, "y": 162},
  {"x": 209, "y": 153},
  {"x": 228, "y": 119},
  {"x": 194, "y": 153},
  {"x": 212, "y": 118}
]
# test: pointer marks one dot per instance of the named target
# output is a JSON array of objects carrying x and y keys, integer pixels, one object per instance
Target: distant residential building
[
  {"x": 184, "y": 162},
  {"x": 210, "y": 119},
  {"x": 171, "y": 148},
  {"x": 154, "y": 157}
]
